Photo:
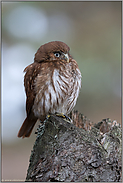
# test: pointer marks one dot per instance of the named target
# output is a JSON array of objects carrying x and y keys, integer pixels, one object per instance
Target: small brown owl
[{"x": 52, "y": 84}]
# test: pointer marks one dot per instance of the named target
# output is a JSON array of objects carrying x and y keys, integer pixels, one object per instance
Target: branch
[{"x": 82, "y": 153}]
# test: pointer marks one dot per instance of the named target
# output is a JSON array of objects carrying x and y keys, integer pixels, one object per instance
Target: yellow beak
[{"x": 66, "y": 57}]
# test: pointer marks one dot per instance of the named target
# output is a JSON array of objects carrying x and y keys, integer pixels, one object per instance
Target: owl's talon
[
  {"x": 47, "y": 116},
  {"x": 67, "y": 118}
]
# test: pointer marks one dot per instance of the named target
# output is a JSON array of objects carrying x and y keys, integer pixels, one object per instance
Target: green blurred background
[{"x": 93, "y": 32}]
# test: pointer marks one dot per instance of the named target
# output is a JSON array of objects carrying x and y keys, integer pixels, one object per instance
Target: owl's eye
[{"x": 57, "y": 54}]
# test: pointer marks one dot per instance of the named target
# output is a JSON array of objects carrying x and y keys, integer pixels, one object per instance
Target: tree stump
[{"x": 76, "y": 152}]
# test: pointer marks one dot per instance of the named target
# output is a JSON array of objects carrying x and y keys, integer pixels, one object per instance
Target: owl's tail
[{"x": 27, "y": 127}]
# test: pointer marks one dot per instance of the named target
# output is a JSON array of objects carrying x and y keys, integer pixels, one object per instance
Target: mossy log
[{"x": 76, "y": 152}]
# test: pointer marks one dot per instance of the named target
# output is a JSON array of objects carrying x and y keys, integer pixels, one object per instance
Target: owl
[{"x": 52, "y": 84}]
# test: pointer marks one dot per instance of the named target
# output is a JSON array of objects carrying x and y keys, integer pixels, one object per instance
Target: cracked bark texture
[{"x": 76, "y": 152}]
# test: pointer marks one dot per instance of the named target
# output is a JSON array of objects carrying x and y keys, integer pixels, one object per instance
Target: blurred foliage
[{"x": 93, "y": 32}]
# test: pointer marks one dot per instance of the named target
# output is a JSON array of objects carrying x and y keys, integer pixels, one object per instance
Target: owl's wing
[{"x": 29, "y": 79}]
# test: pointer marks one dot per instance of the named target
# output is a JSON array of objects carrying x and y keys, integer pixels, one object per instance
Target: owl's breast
[{"x": 58, "y": 92}]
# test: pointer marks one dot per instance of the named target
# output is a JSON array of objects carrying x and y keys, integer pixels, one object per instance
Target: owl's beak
[{"x": 66, "y": 57}]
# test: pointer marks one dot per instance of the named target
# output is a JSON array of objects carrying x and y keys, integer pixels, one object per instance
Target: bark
[{"x": 76, "y": 152}]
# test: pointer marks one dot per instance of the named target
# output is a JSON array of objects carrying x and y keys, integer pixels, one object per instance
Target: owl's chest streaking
[{"x": 57, "y": 88}]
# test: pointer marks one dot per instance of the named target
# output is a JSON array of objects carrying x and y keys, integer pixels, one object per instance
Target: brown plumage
[{"x": 52, "y": 84}]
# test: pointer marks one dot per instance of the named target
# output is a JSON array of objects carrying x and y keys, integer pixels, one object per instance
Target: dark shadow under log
[{"x": 64, "y": 152}]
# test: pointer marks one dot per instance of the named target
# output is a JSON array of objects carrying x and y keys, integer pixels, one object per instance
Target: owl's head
[{"x": 52, "y": 51}]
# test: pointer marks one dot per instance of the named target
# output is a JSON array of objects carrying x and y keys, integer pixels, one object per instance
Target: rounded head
[{"x": 44, "y": 52}]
